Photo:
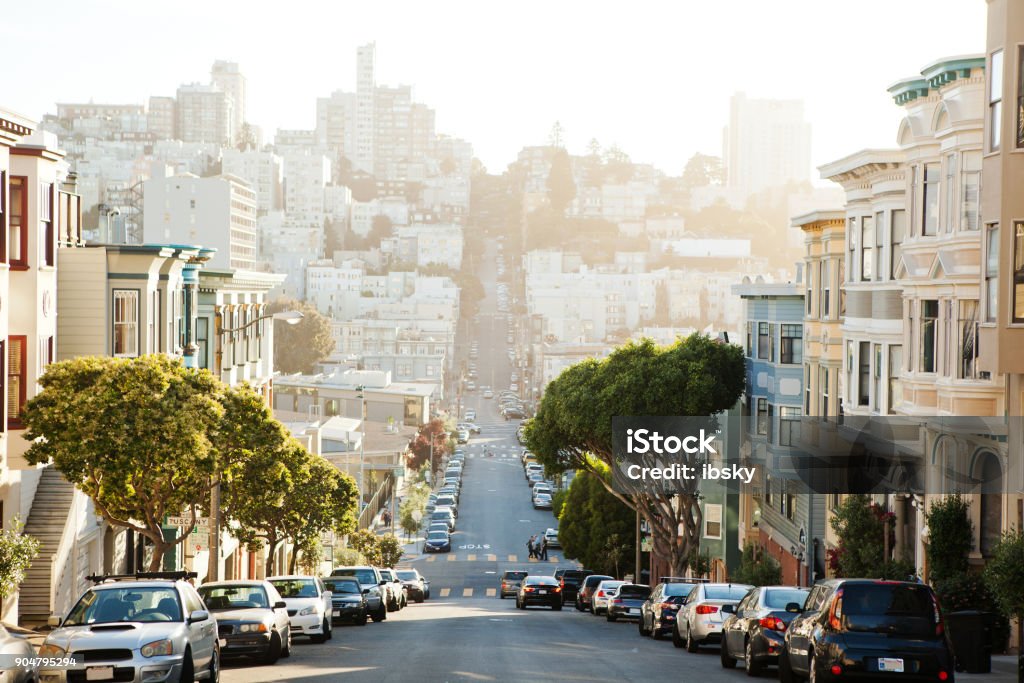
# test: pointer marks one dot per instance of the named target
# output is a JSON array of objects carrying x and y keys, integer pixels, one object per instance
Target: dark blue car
[{"x": 437, "y": 542}]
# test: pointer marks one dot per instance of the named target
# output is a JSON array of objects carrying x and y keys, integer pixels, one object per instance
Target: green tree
[
  {"x": 949, "y": 538},
  {"x": 702, "y": 170},
  {"x": 347, "y": 557},
  {"x": 757, "y": 567},
  {"x": 310, "y": 554},
  {"x": 1004, "y": 575},
  {"x": 363, "y": 186},
  {"x": 367, "y": 543},
  {"x": 17, "y": 551},
  {"x": 861, "y": 526},
  {"x": 590, "y": 516},
  {"x": 299, "y": 347},
  {"x": 573, "y": 427},
  {"x": 324, "y": 500},
  {"x": 138, "y": 436},
  {"x": 561, "y": 185},
  {"x": 390, "y": 550}
]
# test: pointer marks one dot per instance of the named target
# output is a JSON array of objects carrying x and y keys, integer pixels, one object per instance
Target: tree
[
  {"x": 324, "y": 499},
  {"x": 561, "y": 185},
  {"x": 135, "y": 435},
  {"x": 861, "y": 527},
  {"x": 246, "y": 138},
  {"x": 380, "y": 229},
  {"x": 363, "y": 186},
  {"x": 390, "y": 550},
  {"x": 590, "y": 516},
  {"x": 757, "y": 567},
  {"x": 555, "y": 136},
  {"x": 949, "y": 539},
  {"x": 435, "y": 432},
  {"x": 299, "y": 347},
  {"x": 310, "y": 554},
  {"x": 702, "y": 170},
  {"x": 573, "y": 427},
  {"x": 1004, "y": 575},
  {"x": 17, "y": 551},
  {"x": 367, "y": 543},
  {"x": 662, "y": 308}
]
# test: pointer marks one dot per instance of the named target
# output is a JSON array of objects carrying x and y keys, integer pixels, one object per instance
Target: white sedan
[{"x": 309, "y": 605}]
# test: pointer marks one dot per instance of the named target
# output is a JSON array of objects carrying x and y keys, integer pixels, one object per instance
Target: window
[
  {"x": 842, "y": 290},
  {"x": 826, "y": 290},
  {"x": 995, "y": 101},
  {"x": 809, "y": 295},
  {"x": 878, "y": 270},
  {"x": 913, "y": 192},
  {"x": 852, "y": 231},
  {"x": 762, "y": 340},
  {"x": 807, "y": 389},
  {"x": 970, "y": 191},
  {"x": 897, "y": 233},
  {"x": 750, "y": 339},
  {"x": 877, "y": 374},
  {"x": 769, "y": 489},
  {"x": 789, "y": 500},
  {"x": 930, "y": 200},
  {"x": 126, "y": 323},
  {"x": 929, "y": 334},
  {"x": 1018, "y": 271},
  {"x": 949, "y": 189},
  {"x": 762, "y": 416},
  {"x": 771, "y": 423},
  {"x": 864, "y": 374},
  {"x": 3, "y": 229},
  {"x": 867, "y": 242},
  {"x": 1020, "y": 96},
  {"x": 3, "y": 389},
  {"x": 968, "y": 324},
  {"x": 850, "y": 386},
  {"x": 791, "y": 344},
  {"x": 823, "y": 388},
  {"x": 47, "y": 239},
  {"x": 789, "y": 425},
  {"x": 712, "y": 520},
  {"x": 17, "y": 232},
  {"x": 203, "y": 342},
  {"x": 45, "y": 356},
  {"x": 17, "y": 379},
  {"x": 895, "y": 365},
  {"x": 991, "y": 271},
  {"x": 771, "y": 342}
]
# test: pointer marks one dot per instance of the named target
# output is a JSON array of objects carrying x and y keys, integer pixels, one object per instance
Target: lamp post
[
  {"x": 362, "y": 449},
  {"x": 213, "y": 565}
]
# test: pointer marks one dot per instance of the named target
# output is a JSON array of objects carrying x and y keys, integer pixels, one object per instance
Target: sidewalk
[{"x": 1004, "y": 670}]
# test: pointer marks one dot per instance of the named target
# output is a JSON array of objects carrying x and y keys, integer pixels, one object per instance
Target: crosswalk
[
  {"x": 473, "y": 557},
  {"x": 465, "y": 592}
]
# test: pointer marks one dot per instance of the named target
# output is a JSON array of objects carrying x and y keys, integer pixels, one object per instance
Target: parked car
[
  {"x": 539, "y": 590},
  {"x": 397, "y": 598},
  {"x": 161, "y": 624},
  {"x": 443, "y": 514},
  {"x": 437, "y": 542},
  {"x": 462, "y": 435},
  {"x": 864, "y": 629},
  {"x": 755, "y": 629},
  {"x": 448, "y": 500},
  {"x": 602, "y": 595},
  {"x": 309, "y": 605},
  {"x": 551, "y": 536},
  {"x": 252, "y": 619},
  {"x": 470, "y": 415},
  {"x": 587, "y": 588},
  {"x": 488, "y": 393},
  {"x": 416, "y": 585},
  {"x": 699, "y": 621},
  {"x": 658, "y": 613},
  {"x": 510, "y": 581},
  {"x": 14, "y": 645},
  {"x": 370, "y": 582},
  {"x": 626, "y": 601},
  {"x": 514, "y": 414},
  {"x": 348, "y": 600},
  {"x": 542, "y": 501},
  {"x": 571, "y": 581},
  {"x": 542, "y": 487}
]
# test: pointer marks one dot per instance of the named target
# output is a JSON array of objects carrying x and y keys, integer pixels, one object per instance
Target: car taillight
[
  {"x": 773, "y": 624},
  {"x": 556, "y": 589},
  {"x": 528, "y": 590},
  {"x": 836, "y": 669},
  {"x": 835, "y": 612},
  {"x": 939, "y": 626},
  {"x": 943, "y": 675},
  {"x": 600, "y": 594},
  {"x": 616, "y": 601},
  {"x": 706, "y": 609}
]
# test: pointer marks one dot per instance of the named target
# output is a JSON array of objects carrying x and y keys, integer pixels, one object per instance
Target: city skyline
[{"x": 570, "y": 71}]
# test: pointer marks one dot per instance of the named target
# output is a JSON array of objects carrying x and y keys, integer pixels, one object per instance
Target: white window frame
[
  {"x": 128, "y": 299},
  {"x": 712, "y": 515}
]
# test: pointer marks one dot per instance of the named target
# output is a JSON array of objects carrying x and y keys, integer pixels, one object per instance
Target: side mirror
[
  {"x": 728, "y": 609},
  {"x": 794, "y": 607},
  {"x": 366, "y": 591},
  {"x": 53, "y": 621},
  {"x": 383, "y": 582},
  {"x": 280, "y": 604},
  {"x": 198, "y": 615}
]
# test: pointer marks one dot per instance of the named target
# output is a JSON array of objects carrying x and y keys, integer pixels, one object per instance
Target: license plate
[
  {"x": 99, "y": 673},
  {"x": 633, "y": 611},
  {"x": 543, "y": 592},
  {"x": 336, "y": 613},
  {"x": 890, "y": 664}
]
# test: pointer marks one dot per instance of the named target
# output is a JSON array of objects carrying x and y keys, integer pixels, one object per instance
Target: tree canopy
[
  {"x": 594, "y": 526},
  {"x": 696, "y": 376},
  {"x": 561, "y": 185},
  {"x": 299, "y": 347}
]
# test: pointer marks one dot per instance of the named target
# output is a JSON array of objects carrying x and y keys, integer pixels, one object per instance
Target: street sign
[
  {"x": 203, "y": 522},
  {"x": 417, "y": 516}
]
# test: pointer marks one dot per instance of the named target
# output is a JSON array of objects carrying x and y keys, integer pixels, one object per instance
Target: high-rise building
[
  {"x": 160, "y": 117},
  {"x": 335, "y": 121},
  {"x": 366, "y": 101},
  {"x": 766, "y": 144},
  {"x": 262, "y": 170},
  {"x": 205, "y": 113},
  {"x": 228, "y": 77}
]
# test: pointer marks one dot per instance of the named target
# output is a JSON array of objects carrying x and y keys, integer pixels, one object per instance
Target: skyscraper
[
  {"x": 230, "y": 80},
  {"x": 366, "y": 103}
]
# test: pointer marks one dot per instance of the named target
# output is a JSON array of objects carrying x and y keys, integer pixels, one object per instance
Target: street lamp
[{"x": 362, "y": 440}]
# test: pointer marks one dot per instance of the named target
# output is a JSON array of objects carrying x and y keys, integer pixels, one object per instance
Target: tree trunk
[
  {"x": 294, "y": 560},
  {"x": 272, "y": 545}
]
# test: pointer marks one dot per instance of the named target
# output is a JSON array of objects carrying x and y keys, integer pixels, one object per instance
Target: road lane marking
[
  {"x": 451, "y": 558},
  {"x": 492, "y": 558},
  {"x": 492, "y": 592},
  {"x": 471, "y": 557},
  {"x": 431, "y": 558},
  {"x": 553, "y": 558},
  {"x": 467, "y": 592},
  {"x": 533, "y": 559},
  {"x": 512, "y": 558},
  {"x": 445, "y": 592}
]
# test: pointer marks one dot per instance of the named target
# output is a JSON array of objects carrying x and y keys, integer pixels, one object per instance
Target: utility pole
[{"x": 637, "y": 562}]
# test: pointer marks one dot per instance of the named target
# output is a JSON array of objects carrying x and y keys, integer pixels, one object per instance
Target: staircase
[{"x": 46, "y": 521}]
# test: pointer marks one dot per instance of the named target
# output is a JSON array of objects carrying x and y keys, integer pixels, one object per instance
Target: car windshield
[
  {"x": 341, "y": 586},
  {"x": 364, "y": 576},
  {"x": 779, "y": 598},
  {"x": 515, "y": 576},
  {"x": 408, "y": 576},
  {"x": 126, "y": 604},
  {"x": 609, "y": 585},
  {"x": 725, "y": 592},
  {"x": 891, "y": 608},
  {"x": 678, "y": 589},
  {"x": 246, "y": 596},
  {"x": 438, "y": 536},
  {"x": 640, "y": 592},
  {"x": 296, "y": 588}
]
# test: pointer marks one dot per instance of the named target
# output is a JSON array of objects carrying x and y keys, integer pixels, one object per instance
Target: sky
[{"x": 654, "y": 78}]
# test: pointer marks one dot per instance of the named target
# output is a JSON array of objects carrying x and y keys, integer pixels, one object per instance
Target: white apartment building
[
  {"x": 306, "y": 174},
  {"x": 287, "y": 248},
  {"x": 431, "y": 243},
  {"x": 264, "y": 173},
  {"x": 204, "y": 113},
  {"x": 228, "y": 77},
  {"x": 445, "y": 190},
  {"x": 161, "y": 117},
  {"x": 335, "y": 290},
  {"x": 364, "y": 133},
  {"x": 217, "y": 212},
  {"x": 394, "y": 208}
]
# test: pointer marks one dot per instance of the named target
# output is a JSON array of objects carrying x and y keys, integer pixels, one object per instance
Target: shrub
[
  {"x": 970, "y": 592},
  {"x": 757, "y": 567},
  {"x": 949, "y": 539}
]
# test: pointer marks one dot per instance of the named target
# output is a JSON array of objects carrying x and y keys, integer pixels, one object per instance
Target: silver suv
[{"x": 150, "y": 627}]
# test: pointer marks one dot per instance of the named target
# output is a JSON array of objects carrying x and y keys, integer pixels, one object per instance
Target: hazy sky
[{"x": 653, "y": 77}]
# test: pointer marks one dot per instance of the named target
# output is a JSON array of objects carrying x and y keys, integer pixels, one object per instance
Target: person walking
[
  {"x": 531, "y": 546},
  {"x": 544, "y": 549}
]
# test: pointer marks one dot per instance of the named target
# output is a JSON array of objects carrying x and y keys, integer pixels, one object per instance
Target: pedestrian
[
  {"x": 530, "y": 545},
  {"x": 386, "y": 518},
  {"x": 544, "y": 548}
]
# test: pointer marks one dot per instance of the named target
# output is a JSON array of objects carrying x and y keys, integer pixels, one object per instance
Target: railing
[{"x": 377, "y": 502}]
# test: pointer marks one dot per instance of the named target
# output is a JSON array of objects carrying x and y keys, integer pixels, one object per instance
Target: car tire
[
  {"x": 727, "y": 661},
  {"x": 640, "y": 627},
  {"x": 520, "y": 605},
  {"x": 322, "y": 637},
  {"x": 579, "y": 605},
  {"x": 691, "y": 644},
  {"x": 677, "y": 639},
  {"x": 610, "y": 617},
  {"x": 274, "y": 651},
  {"x": 214, "y": 667},
  {"x": 188, "y": 672},
  {"x": 381, "y": 614},
  {"x": 557, "y": 607},
  {"x": 286, "y": 650},
  {"x": 752, "y": 668},
  {"x": 361, "y": 621},
  {"x": 785, "y": 671}
]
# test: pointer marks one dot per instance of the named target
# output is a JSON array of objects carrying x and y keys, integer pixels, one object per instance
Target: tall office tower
[
  {"x": 205, "y": 114},
  {"x": 365, "y": 136},
  {"x": 229, "y": 78}
]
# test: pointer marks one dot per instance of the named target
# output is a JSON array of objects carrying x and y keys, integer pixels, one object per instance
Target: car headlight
[
  {"x": 253, "y": 628},
  {"x": 50, "y": 650},
  {"x": 313, "y": 609},
  {"x": 157, "y": 647}
]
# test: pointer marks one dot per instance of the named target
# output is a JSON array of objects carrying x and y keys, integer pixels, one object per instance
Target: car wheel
[
  {"x": 610, "y": 617},
  {"x": 785, "y": 672},
  {"x": 727, "y": 661},
  {"x": 749, "y": 665},
  {"x": 677, "y": 639},
  {"x": 361, "y": 621},
  {"x": 557, "y": 607},
  {"x": 286, "y": 651},
  {"x": 381, "y": 614},
  {"x": 520, "y": 604},
  {"x": 691, "y": 644},
  {"x": 322, "y": 637},
  {"x": 214, "y": 667},
  {"x": 274, "y": 651},
  {"x": 640, "y": 627},
  {"x": 812, "y": 673},
  {"x": 188, "y": 673},
  {"x": 579, "y": 605}
]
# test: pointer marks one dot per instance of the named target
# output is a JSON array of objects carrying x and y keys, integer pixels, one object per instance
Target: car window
[
  {"x": 435, "y": 536},
  {"x": 408, "y": 575},
  {"x": 634, "y": 592},
  {"x": 678, "y": 589},
  {"x": 138, "y": 603},
  {"x": 191, "y": 598},
  {"x": 342, "y": 586},
  {"x": 245, "y": 596},
  {"x": 515, "y": 576},
  {"x": 364, "y": 576},
  {"x": 296, "y": 588},
  {"x": 749, "y": 601},
  {"x": 780, "y": 597},
  {"x": 817, "y": 598},
  {"x": 890, "y": 608},
  {"x": 725, "y": 592}
]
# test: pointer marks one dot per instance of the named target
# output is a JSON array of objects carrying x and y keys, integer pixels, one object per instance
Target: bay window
[
  {"x": 897, "y": 233},
  {"x": 791, "y": 344},
  {"x": 789, "y": 426},
  {"x": 1018, "y": 272},
  {"x": 126, "y": 323},
  {"x": 929, "y": 334},
  {"x": 17, "y": 379},
  {"x": 826, "y": 289},
  {"x": 877, "y": 268},
  {"x": 930, "y": 200},
  {"x": 968, "y": 328},
  {"x": 949, "y": 217},
  {"x": 895, "y": 389},
  {"x": 864, "y": 374},
  {"x": 762, "y": 416},
  {"x": 991, "y": 272},
  {"x": 970, "y": 191},
  {"x": 867, "y": 243},
  {"x": 995, "y": 101},
  {"x": 17, "y": 231},
  {"x": 762, "y": 340}
]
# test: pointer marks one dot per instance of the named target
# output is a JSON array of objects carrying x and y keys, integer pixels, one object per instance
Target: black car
[
  {"x": 755, "y": 629},
  {"x": 658, "y": 613},
  {"x": 417, "y": 587},
  {"x": 587, "y": 588},
  {"x": 437, "y": 542},
  {"x": 570, "y": 582},
  {"x": 626, "y": 601},
  {"x": 862, "y": 629},
  {"x": 348, "y": 603},
  {"x": 539, "y": 590}
]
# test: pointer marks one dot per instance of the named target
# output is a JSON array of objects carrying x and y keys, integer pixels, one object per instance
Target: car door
[
  {"x": 202, "y": 634},
  {"x": 683, "y": 615},
  {"x": 325, "y": 596},
  {"x": 281, "y": 620},
  {"x": 649, "y": 608},
  {"x": 739, "y": 625},
  {"x": 799, "y": 641}
]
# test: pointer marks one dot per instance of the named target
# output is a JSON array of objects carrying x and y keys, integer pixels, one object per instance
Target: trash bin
[{"x": 970, "y": 632}]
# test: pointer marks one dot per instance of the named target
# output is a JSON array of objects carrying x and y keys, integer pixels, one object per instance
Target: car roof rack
[
  {"x": 139, "y": 576},
  {"x": 682, "y": 579}
]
